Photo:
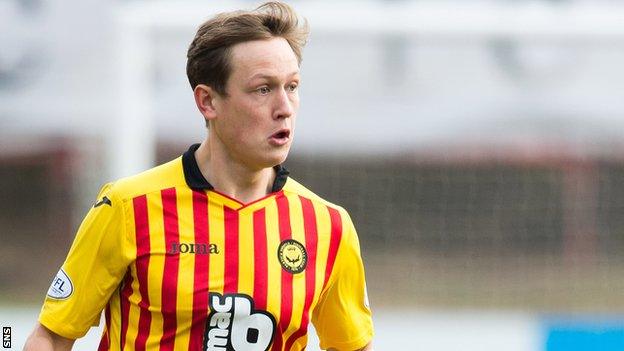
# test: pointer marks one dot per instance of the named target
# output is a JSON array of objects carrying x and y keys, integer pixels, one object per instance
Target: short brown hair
[{"x": 208, "y": 57}]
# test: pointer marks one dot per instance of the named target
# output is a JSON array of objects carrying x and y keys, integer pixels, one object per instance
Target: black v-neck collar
[{"x": 195, "y": 179}]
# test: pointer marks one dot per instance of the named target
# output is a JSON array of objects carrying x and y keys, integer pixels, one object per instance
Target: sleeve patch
[{"x": 61, "y": 287}]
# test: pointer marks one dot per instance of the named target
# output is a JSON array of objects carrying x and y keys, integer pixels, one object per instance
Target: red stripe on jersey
[
  {"x": 124, "y": 307},
  {"x": 141, "y": 223},
  {"x": 170, "y": 273},
  {"x": 260, "y": 260},
  {"x": 107, "y": 317},
  {"x": 200, "y": 283},
  {"x": 311, "y": 240},
  {"x": 334, "y": 241},
  {"x": 283, "y": 214},
  {"x": 105, "y": 342},
  {"x": 230, "y": 271}
]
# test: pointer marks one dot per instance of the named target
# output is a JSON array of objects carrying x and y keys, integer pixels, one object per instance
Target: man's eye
[
  {"x": 264, "y": 90},
  {"x": 293, "y": 87}
]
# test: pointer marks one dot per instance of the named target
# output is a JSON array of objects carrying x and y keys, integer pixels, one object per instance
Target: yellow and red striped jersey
[{"x": 176, "y": 265}]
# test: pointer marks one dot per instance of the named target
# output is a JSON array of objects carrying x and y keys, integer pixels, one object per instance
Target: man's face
[{"x": 255, "y": 121}]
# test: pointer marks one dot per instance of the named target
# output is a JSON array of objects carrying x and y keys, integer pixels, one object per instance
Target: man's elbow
[{"x": 43, "y": 339}]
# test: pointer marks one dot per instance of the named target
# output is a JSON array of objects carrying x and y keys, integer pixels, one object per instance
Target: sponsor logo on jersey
[
  {"x": 104, "y": 200},
  {"x": 61, "y": 287},
  {"x": 193, "y": 248},
  {"x": 292, "y": 256},
  {"x": 233, "y": 325}
]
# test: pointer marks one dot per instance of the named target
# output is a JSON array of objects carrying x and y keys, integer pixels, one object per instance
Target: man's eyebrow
[{"x": 269, "y": 76}]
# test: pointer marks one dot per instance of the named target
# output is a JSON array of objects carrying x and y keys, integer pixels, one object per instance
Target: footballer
[{"x": 218, "y": 249}]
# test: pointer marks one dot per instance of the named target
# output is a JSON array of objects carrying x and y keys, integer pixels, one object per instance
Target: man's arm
[
  {"x": 342, "y": 317},
  {"x": 43, "y": 339},
  {"x": 368, "y": 347}
]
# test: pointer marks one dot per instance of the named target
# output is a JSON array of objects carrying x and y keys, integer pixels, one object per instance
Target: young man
[{"x": 218, "y": 249}]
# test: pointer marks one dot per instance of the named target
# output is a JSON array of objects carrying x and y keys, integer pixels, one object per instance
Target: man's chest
[{"x": 219, "y": 262}]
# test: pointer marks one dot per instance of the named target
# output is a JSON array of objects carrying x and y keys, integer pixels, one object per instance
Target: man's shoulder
[
  {"x": 166, "y": 175},
  {"x": 294, "y": 187}
]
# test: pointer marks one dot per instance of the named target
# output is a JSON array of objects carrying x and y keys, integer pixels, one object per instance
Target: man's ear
[{"x": 206, "y": 101}]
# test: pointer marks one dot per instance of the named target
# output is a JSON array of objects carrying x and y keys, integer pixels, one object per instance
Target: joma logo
[{"x": 193, "y": 248}]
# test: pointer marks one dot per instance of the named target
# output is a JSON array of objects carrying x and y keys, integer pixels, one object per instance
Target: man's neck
[{"x": 233, "y": 178}]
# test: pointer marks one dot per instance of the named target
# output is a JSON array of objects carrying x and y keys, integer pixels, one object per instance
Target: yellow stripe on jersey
[
  {"x": 186, "y": 269},
  {"x": 299, "y": 282},
  {"x": 246, "y": 254},
  {"x": 217, "y": 237},
  {"x": 157, "y": 263},
  {"x": 274, "y": 288}
]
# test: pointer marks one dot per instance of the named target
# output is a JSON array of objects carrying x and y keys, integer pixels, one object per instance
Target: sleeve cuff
[
  {"x": 62, "y": 329},
  {"x": 351, "y": 345}
]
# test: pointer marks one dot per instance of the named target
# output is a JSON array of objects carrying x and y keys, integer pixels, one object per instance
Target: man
[{"x": 218, "y": 249}]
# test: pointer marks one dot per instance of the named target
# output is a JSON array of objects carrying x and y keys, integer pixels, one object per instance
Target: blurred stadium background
[{"x": 478, "y": 146}]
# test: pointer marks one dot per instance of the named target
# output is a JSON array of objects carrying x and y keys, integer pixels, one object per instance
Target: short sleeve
[
  {"x": 93, "y": 269},
  {"x": 342, "y": 317}
]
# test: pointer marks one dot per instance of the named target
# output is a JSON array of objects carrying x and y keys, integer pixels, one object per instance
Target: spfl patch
[{"x": 61, "y": 286}]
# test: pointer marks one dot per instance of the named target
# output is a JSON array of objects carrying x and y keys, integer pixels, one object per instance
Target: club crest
[{"x": 292, "y": 256}]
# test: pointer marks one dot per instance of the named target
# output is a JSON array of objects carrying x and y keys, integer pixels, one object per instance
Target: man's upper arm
[
  {"x": 342, "y": 317},
  {"x": 93, "y": 269}
]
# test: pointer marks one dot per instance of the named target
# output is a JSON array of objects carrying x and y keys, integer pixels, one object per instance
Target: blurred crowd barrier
[{"x": 469, "y": 228}]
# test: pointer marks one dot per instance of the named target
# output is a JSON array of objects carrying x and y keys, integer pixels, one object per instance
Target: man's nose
[{"x": 284, "y": 105}]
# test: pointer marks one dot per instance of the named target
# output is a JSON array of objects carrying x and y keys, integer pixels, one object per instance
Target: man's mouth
[
  {"x": 281, "y": 137},
  {"x": 284, "y": 133}
]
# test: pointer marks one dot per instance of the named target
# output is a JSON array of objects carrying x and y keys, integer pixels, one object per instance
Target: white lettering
[
  {"x": 250, "y": 331},
  {"x": 61, "y": 287},
  {"x": 217, "y": 306},
  {"x": 220, "y": 320},
  {"x": 217, "y": 339},
  {"x": 233, "y": 325}
]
